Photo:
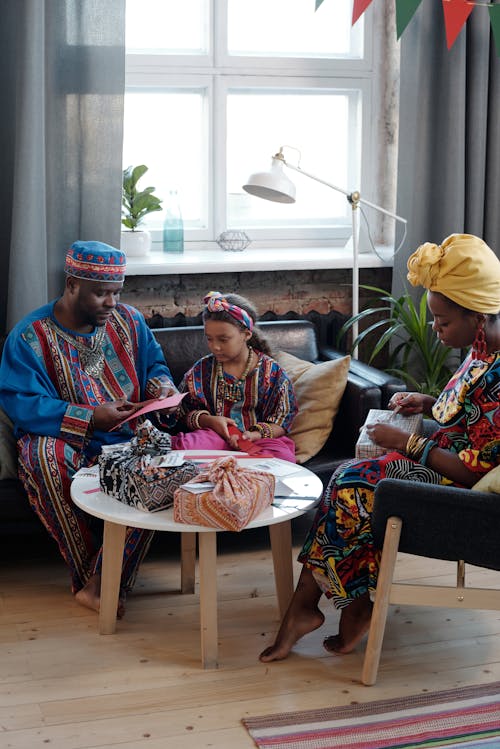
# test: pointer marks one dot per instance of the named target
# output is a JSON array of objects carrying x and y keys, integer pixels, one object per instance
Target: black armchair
[{"x": 440, "y": 522}]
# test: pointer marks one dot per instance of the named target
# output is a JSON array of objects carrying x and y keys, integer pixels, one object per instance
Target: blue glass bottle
[{"x": 173, "y": 226}]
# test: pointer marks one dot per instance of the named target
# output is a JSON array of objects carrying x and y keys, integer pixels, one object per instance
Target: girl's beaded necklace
[{"x": 232, "y": 391}]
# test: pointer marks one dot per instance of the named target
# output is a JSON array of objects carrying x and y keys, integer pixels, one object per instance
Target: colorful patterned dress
[
  {"x": 47, "y": 390},
  {"x": 266, "y": 395},
  {"x": 339, "y": 547}
]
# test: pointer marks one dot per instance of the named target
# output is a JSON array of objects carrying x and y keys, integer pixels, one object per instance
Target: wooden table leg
[
  {"x": 112, "y": 561},
  {"x": 281, "y": 547},
  {"x": 188, "y": 562},
  {"x": 207, "y": 544}
]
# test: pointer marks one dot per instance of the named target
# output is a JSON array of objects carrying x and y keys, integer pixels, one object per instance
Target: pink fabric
[{"x": 207, "y": 439}]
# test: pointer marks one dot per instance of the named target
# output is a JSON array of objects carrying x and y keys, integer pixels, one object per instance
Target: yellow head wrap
[{"x": 462, "y": 268}]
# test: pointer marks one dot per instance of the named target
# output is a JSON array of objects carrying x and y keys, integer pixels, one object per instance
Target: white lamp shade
[{"x": 272, "y": 185}]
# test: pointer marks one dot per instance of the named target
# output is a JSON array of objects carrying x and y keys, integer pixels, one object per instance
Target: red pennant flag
[
  {"x": 456, "y": 12},
  {"x": 358, "y": 9}
]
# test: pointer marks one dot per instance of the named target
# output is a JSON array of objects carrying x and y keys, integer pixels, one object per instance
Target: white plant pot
[{"x": 135, "y": 243}]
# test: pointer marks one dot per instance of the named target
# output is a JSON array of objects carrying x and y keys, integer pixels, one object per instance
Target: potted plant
[
  {"x": 136, "y": 204},
  {"x": 415, "y": 355}
]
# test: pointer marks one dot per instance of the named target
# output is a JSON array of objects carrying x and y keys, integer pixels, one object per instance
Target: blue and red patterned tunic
[
  {"x": 268, "y": 394},
  {"x": 46, "y": 391}
]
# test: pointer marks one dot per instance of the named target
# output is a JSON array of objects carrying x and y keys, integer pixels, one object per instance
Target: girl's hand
[
  {"x": 218, "y": 424},
  {"x": 252, "y": 436},
  {"x": 411, "y": 403},
  {"x": 388, "y": 436}
]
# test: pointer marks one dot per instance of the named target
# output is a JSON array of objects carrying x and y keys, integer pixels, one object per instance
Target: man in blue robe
[{"x": 70, "y": 372}]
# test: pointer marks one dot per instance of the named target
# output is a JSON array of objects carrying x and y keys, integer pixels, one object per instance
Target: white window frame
[{"x": 217, "y": 73}]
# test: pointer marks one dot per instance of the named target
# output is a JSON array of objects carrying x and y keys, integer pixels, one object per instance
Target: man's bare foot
[
  {"x": 295, "y": 625},
  {"x": 90, "y": 594},
  {"x": 354, "y": 624}
]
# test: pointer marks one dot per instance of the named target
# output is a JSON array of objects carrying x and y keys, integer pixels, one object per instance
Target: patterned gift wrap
[
  {"x": 131, "y": 473},
  {"x": 238, "y": 495},
  {"x": 365, "y": 448}
]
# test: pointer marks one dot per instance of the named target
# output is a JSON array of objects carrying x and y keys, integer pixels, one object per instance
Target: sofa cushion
[
  {"x": 8, "y": 450},
  {"x": 319, "y": 389}
]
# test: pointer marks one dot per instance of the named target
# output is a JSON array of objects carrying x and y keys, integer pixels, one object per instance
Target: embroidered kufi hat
[
  {"x": 462, "y": 268},
  {"x": 95, "y": 261}
]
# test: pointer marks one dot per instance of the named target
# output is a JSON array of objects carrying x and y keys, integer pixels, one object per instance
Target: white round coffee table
[{"x": 85, "y": 492}]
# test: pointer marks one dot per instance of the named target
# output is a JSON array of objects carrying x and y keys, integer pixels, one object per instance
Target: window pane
[
  {"x": 167, "y": 26},
  {"x": 166, "y": 131},
  {"x": 291, "y": 28},
  {"x": 322, "y": 126}
]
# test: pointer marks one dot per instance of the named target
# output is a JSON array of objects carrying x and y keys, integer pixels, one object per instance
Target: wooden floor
[{"x": 64, "y": 686}]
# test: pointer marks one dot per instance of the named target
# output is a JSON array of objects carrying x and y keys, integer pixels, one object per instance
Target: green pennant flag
[
  {"x": 405, "y": 10},
  {"x": 318, "y": 3},
  {"x": 494, "y": 11}
]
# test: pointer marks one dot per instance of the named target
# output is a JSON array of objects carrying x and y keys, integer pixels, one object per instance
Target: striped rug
[{"x": 468, "y": 717}]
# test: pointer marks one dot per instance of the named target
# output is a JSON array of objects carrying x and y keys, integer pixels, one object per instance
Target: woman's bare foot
[
  {"x": 294, "y": 626},
  {"x": 354, "y": 624},
  {"x": 90, "y": 596},
  {"x": 303, "y": 616}
]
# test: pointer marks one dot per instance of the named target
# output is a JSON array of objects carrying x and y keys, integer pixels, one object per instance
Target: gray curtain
[
  {"x": 62, "y": 83},
  {"x": 449, "y": 137}
]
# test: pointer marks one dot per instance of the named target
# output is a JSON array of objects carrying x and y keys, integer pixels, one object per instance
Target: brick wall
[
  {"x": 323, "y": 291},
  {"x": 322, "y": 296}
]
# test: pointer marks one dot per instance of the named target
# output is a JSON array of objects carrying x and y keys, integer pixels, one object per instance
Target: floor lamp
[{"x": 276, "y": 186}]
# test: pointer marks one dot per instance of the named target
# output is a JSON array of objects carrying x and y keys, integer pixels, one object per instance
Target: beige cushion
[
  {"x": 490, "y": 482},
  {"x": 8, "y": 450},
  {"x": 319, "y": 389}
]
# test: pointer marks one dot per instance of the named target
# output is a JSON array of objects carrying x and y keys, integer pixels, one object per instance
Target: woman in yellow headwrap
[{"x": 462, "y": 276}]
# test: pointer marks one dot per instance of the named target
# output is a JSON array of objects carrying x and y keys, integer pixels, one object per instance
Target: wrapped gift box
[
  {"x": 365, "y": 448},
  {"x": 233, "y": 497},
  {"x": 141, "y": 473}
]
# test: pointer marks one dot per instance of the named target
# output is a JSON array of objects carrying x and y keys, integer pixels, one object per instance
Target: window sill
[{"x": 220, "y": 261}]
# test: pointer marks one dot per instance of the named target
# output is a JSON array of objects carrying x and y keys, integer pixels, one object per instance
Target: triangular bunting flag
[
  {"x": 358, "y": 8},
  {"x": 405, "y": 10},
  {"x": 494, "y": 11},
  {"x": 318, "y": 3},
  {"x": 456, "y": 12}
]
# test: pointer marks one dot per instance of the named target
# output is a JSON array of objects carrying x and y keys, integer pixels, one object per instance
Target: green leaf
[
  {"x": 414, "y": 351},
  {"x": 137, "y": 203}
]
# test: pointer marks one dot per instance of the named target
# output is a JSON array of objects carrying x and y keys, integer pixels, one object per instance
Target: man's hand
[{"x": 108, "y": 415}]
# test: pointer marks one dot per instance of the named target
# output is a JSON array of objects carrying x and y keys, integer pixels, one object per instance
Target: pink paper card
[{"x": 156, "y": 404}]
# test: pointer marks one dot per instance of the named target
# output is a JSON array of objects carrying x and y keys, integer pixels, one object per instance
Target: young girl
[{"x": 237, "y": 385}]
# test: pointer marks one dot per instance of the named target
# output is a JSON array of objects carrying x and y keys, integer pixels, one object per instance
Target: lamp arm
[
  {"x": 353, "y": 197},
  {"x": 312, "y": 176},
  {"x": 355, "y": 200}
]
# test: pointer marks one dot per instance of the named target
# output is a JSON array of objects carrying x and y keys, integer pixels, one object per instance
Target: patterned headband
[{"x": 217, "y": 303}]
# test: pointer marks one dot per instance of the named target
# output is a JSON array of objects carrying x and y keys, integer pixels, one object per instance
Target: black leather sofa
[{"x": 366, "y": 388}]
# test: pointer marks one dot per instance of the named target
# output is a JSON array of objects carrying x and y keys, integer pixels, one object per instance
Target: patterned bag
[
  {"x": 132, "y": 471},
  {"x": 238, "y": 495}
]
